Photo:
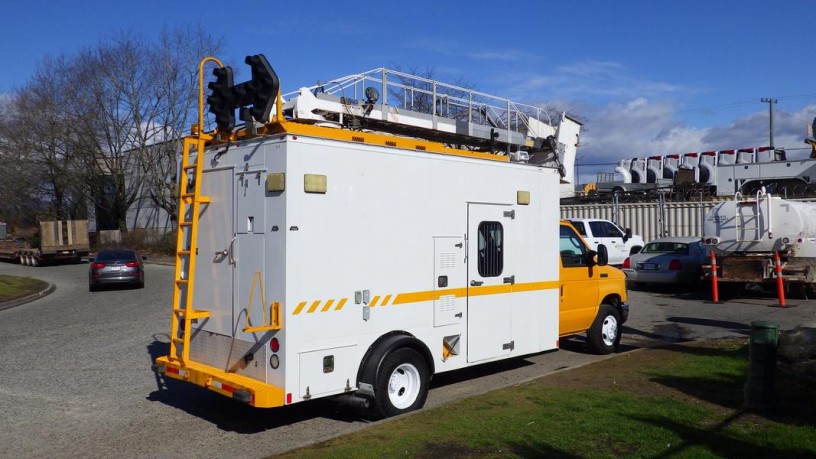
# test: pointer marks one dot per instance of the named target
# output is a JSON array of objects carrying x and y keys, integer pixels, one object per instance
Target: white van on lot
[{"x": 619, "y": 243}]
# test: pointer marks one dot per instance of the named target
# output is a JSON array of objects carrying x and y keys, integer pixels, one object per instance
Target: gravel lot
[{"x": 76, "y": 379}]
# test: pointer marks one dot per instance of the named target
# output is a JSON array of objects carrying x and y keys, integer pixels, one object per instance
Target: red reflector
[
  {"x": 274, "y": 345},
  {"x": 289, "y": 398},
  {"x": 626, "y": 263},
  {"x": 96, "y": 265},
  {"x": 172, "y": 370},
  {"x": 132, "y": 264},
  {"x": 675, "y": 265},
  {"x": 227, "y": 388}
]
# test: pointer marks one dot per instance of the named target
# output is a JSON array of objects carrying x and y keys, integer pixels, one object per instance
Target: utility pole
[{"x": 770, "y": 103}]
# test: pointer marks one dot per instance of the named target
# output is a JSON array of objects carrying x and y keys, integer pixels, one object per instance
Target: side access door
[
  {"x": 250, "y": 254},
  {"x": 215, "y": 259},
  {"x": 579, "y": 284},
  {"x": 490, "y": 274}
]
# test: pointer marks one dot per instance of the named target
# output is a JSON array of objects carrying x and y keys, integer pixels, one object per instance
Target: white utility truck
[
  {"x": 339, "y": 244},
  {"x": 748, "y": 232},
  {"x": 619, "y": 243}
]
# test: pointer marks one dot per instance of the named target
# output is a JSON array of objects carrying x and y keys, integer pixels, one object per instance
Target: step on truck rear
[{"x": 338, "y": 246}]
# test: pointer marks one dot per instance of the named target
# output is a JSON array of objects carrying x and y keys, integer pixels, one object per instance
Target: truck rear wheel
[
  {"x": 402, "y": 383},
  {"x": 604, "y": 335}
]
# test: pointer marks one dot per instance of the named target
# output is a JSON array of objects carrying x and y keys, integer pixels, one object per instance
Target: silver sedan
[{"x": 667, "y": 260}]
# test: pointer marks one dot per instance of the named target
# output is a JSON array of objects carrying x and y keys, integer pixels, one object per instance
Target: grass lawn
[
  {"x": 13, "y": 287},
  {"x": 676, "y": 401}
]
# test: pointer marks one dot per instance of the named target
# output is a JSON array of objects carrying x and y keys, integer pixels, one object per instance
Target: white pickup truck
[{"x": 619, "y": 243}]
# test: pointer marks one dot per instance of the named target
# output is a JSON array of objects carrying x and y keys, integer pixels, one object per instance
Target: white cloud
[{"x": 590, "y": 80}]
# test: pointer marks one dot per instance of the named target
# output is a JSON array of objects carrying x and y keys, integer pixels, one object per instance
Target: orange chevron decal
[{"x": 429, "y": 295}]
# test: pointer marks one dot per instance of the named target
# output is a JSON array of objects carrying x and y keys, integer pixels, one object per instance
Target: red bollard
[
  {"x": 780, "y": 287},
  {"x": 715, "y": 294}
]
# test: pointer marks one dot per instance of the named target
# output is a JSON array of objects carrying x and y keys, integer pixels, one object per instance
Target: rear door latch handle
[{"x": 476, "y": 283}]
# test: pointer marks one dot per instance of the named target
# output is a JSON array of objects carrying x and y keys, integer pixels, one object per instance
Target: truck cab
[
  {"x": 592, "y": 295},
  {"x": 619, "y": 243}
]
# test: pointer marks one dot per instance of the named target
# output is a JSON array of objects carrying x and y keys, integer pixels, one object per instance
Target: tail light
[
  {"x": 274, "y": 345},
  {"x": 675, "y": 265},
  {"x": 132, "y": 264},
  {"x": 96, "y": 265},
  {"x": 627, "y": 263}
]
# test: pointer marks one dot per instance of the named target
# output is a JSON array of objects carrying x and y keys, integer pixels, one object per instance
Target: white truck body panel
[{"x": 391, "y": 245}]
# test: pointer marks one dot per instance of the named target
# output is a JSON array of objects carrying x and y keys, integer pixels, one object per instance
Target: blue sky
[{"x": 649, "y": 77}]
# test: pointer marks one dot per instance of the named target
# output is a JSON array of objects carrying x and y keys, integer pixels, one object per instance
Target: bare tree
[
  {"x": 40, "y": 174},
  {"x": 131, "y": 102},
  {"x": 102, "y": 125},
  {"x": 175, "y": 62}
]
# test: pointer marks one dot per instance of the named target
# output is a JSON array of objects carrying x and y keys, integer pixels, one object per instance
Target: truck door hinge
[
  {"x": 511, "y": 345},
  {"x": 510, "y": 280},
  {"x": 510, "y": 213}
]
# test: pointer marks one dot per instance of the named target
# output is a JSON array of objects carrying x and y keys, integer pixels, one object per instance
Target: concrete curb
[{"x": 27, "y": 299}]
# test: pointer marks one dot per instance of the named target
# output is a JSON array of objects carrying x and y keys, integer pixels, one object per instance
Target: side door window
[
  {"x": 572, "y": 249},
  {"x": 598, "y": 229},
  {"x": 612, "y": 230},
  {"x": 580, "y": 227},
  {"x": 491, "y": 253}
]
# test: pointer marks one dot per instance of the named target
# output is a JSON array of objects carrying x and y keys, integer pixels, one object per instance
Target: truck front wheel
[
  {"x": 402, "y": 383},
  {"x": 604, "y": 335}
]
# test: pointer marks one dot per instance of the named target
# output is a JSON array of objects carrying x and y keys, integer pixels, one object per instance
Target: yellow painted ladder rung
[
  {"x": 189, "y": 166},
  {"x": 194, "y": 314},
  {"x": 178, "y": 340},
  {"x": 182, "y": 281},
  {"x": 185, "y": 223},
  {"x": 190, "y": 197},
  {"x": 183, "y": 252}
]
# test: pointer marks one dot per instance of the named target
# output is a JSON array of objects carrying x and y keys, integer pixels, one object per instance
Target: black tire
[
  {"x": 92, "y": 288},
  {"x": 605, "y": 334},
  {"x": 402, "y": 383}
]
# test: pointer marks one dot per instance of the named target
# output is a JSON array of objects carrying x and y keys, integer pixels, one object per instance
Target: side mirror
[
  {"x": 627, "y": 234},
  {"x": 603, "y": 255},
  {"x": 590, "y": 258}
]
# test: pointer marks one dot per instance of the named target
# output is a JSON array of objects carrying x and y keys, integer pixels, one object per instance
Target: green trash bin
[{"x": 760, "y": 390}]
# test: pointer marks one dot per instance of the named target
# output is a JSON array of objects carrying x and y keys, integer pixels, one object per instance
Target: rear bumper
[{"x": 240, "y": 388}]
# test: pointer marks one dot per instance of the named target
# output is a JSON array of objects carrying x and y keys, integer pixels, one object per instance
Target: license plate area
[{"x": 648, "y": 266}]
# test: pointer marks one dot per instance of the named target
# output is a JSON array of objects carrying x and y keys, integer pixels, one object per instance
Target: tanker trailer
[{"x": 746, "y": 233}]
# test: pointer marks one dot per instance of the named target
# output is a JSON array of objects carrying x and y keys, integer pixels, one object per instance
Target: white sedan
[{"x": 667, "y": 260}]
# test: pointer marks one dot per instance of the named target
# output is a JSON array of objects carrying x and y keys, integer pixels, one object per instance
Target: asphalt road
[{"x": 75, "y": 379}]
